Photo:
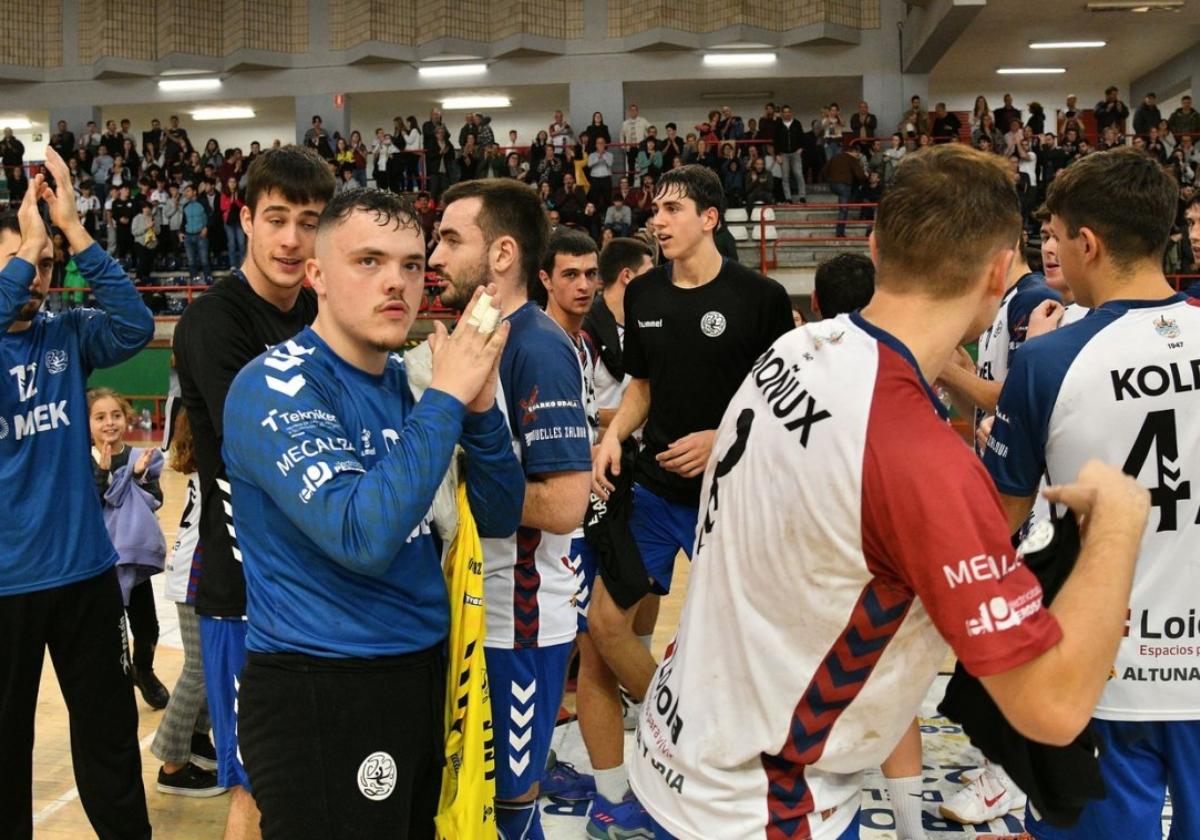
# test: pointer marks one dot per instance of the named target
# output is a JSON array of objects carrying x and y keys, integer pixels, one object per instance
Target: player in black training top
[
  {"x": 693, "y": 328},
  {"x": 262, "y": 304}
]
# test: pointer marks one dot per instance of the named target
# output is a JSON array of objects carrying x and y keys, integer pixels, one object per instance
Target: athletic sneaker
[
  {"x": 624, "y": 820},
  {"x": 631, "y": 710},
  {"x": 204, "y": 755},
  {"x": 190, "y": 781},
  {"x": 989, "y": 795},
  {"x": 563, "y": 782},
  {"x": 153, "y": 691}
]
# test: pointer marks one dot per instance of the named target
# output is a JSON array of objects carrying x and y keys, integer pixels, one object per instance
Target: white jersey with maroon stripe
[{"x": 845, "y": 531}]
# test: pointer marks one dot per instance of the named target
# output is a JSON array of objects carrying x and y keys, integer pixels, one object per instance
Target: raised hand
[
  {"x": 106, "y": 457},
  {"x": 34, "y": 237},
  {"x": 143, "y": 463},
  {"x": 464, "y": 364}
]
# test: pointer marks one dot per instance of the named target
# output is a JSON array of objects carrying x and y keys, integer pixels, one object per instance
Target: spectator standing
[
  {"x": 212, "y": 154},
  {"x": 385, "y": 165},
  {"x": 63, "y": 141},
  {"x": 915, "y": 122},
  {"x": 600, "y": 168},
  {"x": 978, "y": 111},
  {"x": 414, "y": 145},
  {"x": 560, "y": 133},
  {"x": 195, "y": 236},
  {"x": 484, "y": 135},
  {"x": 596, "y": 131},
  {"x": 468, "y": 128},
  {"x": 144, "y": 232},
  {"x": 730, "y": 126},
  {"x": 1007, "y": 112},
  {"x": 570, "y": 199},
  {"x": 944, "y": 125},
  {"x": 539, "y": 150},
  {"x": 844, "y": 174},
  {"x": 864, "y": 124},
  {"x": 359, "y": 148},
  {"x": 102, "y": 164},
  {"x": 831, "y": 130},
  {"x": 1147, "y": 115},
  {"x": 231, "y": 216},
  {"x": 429, "y": 128},
  {"x": 468, "y": 160},
  {"x": 987, "y": 129},
  {"x": 765, "y": 133},
  {"x": 1185, "y": 119},
  {"x": 789, "y": 140},
  {"x": 1037, "y": 118},
  {"x": 1111, "y": 111},
  {"x": 492, "y": 164},
  {"x": 633, "y": 130},
  {"x": 112, "y": 137}
]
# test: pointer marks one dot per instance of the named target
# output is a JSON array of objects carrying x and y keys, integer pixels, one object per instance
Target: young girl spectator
[
  {"x": 231, "y": 205},
  {"x": 127, "y": 482},
  {"x": 981, "y": 110},
  {"x": 343, "y": 155},
  {"x": 182, "y": 742}
]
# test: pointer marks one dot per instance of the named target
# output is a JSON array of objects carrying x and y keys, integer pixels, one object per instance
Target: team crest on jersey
[
  {"x": 377, "y": 776},
  {"x": 56, "y": 360},
  {"x": 527, "y": 405},
  {"x": 833, "y": 339},
  {"x": 1166, "y": 327},
  {"x": 712, "y": 324}
]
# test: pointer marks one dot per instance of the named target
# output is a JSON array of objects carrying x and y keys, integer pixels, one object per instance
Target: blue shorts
[
  {"x": 223, "y": 649},
  {"x": 660, "y": 529},
  {"x": 583, "y": 561},
  {"x": 1141, "y": 761},
  {"x": 526, "y": 687}
]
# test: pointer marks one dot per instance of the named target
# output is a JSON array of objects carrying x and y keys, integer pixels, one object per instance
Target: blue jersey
[
  {"x": 53, "y": 528},
  {"x": 333, "y": 471},
  {"x": 1123, "y": 386},
  {"x": 529, "y": 584}
]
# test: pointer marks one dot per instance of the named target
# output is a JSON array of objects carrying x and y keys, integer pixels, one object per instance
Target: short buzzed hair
[
  {"x": 844, "y": 283},
  {"x": 948, "y": 211}
]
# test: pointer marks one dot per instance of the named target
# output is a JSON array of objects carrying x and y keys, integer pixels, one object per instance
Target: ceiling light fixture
[
  {"x": 471, "y": 103},
  {"x": 1029, "y": 71},
  {"x": 1067, "y": 45},
  {"x": 223, "y": 113},
  {"x": 451, "y": 71},
  {"x": 179, "y": 85},
  {"x": 743, "y": 59}
]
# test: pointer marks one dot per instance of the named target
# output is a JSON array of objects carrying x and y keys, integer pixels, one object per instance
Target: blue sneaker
[
  {"x": 624, "y": 820},
  {"x": 563, "y": 782}
]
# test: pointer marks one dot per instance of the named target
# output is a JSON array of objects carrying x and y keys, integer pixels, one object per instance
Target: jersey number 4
[{"x": 1159, "y": 432}]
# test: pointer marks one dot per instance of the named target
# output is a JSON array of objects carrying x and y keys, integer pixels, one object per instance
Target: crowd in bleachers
[{"x": 165, "y": 203}]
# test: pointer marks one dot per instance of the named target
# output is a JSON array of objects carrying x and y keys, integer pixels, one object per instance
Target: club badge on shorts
[{"x": 377, "y": 776}]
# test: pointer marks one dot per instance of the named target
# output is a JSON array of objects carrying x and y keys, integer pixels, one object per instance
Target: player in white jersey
[
  {"x": 831, "y": 561},
  {"x": 1123, "y": 385},
  {"x": 496, "y": 231},
  {"x": 566, "y": 289}
]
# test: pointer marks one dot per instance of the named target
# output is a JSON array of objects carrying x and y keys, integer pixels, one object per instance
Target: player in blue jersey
[
  {"x": 496, "y": 231},
  {"x": 58, "y": 587},
  {"x": 333, "y": 470},
  {"x": 1122, "y": 385}
]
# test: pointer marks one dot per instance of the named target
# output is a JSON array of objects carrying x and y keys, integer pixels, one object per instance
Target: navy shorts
[
  {"x": 1141, "y": 761},
  {"x": 526, "y": 687},
  {"x": 661, "y": 528},
  {"x": 223, "y": 649}
]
